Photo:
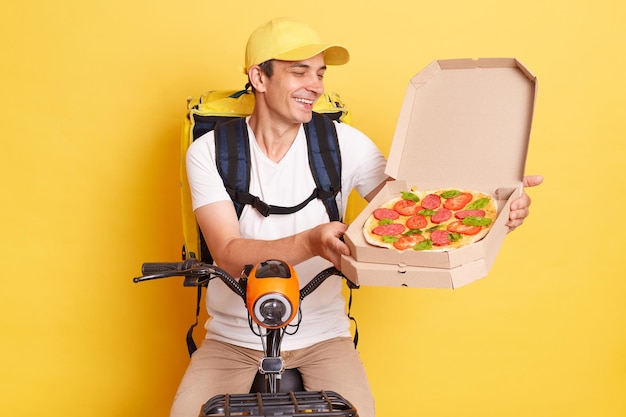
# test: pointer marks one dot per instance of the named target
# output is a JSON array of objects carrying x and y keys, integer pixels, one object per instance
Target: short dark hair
[{"x": 268, "y": 69}]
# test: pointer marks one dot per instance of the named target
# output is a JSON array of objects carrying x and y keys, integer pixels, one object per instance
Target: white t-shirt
[{"x": 286, "y": 183}]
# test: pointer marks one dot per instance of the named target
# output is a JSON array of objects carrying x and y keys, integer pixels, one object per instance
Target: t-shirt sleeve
[
  {"x": 205, "y": 182},
  {"x": 363, "y": 165}
]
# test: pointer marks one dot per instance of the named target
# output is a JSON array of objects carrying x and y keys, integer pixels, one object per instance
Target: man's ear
[{"x": 257, "y": 78}]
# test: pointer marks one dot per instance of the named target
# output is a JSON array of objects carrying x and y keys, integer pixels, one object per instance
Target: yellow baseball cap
[{"x": 287, "y": 39}]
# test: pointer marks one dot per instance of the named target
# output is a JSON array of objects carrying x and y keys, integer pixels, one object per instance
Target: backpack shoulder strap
[
  {"x": 232, "y": 153},
  {"x": 325, "y": 161}
]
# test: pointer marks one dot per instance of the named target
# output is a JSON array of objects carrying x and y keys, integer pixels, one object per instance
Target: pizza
[{"x": 437, "y": 220}]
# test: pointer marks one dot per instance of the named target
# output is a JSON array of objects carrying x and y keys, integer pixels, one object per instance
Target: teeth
[{"x": 305, "y": 101}]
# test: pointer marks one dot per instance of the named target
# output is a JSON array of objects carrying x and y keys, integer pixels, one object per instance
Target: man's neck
[{"x": 274, "y": 138}]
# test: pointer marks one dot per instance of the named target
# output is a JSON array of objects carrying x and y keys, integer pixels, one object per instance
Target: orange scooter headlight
[{"x": 272, "y": 294}]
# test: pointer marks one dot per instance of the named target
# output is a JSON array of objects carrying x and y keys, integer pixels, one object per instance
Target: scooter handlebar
[
  {"x": 196, "y": 273},
  {"x": 150, "y": 268}
]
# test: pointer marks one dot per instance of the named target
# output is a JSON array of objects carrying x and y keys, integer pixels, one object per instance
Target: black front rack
[{"x": 285, "y": 404}]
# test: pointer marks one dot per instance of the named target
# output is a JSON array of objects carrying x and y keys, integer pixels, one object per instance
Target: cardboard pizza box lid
[{"x": 465, "y": 124}]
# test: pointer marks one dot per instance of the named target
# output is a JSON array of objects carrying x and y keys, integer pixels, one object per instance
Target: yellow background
[{"x": 92, "y": 102}]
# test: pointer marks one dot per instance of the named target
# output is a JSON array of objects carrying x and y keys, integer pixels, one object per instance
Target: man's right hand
[{"x": 324, "y": 240}]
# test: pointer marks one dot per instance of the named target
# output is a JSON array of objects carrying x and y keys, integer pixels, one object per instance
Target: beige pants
[{"x": 220, "y": 368}]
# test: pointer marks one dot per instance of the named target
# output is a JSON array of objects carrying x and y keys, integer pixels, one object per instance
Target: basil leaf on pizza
[{"x": 438, "y": 220}]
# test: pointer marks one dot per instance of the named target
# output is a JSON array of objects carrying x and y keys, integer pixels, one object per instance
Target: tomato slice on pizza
[{"x": 437, "y": 220}]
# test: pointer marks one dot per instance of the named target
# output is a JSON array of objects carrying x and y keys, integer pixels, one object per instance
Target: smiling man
[{"x": 285, "y": 64}]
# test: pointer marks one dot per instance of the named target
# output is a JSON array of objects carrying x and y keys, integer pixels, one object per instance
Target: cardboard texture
[{"x": 464, "y": 124}]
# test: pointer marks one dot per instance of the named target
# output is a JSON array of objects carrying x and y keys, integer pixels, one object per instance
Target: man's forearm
[{"x": 239, "y": 252}]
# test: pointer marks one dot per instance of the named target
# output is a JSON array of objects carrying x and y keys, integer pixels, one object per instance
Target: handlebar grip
[{"x": 150, "y": 268}]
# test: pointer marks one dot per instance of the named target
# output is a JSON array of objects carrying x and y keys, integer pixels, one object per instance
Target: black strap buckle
[{"x": 261, "y": 206}]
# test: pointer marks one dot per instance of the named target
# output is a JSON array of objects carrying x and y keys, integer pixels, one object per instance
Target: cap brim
[{"x": 333, "y": 54}]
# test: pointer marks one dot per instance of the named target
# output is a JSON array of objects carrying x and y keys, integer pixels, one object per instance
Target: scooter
[{"x": 271, "y": 293}]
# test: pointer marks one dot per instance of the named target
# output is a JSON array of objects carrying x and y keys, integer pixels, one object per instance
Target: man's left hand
[{"x": 520, "y": 207}]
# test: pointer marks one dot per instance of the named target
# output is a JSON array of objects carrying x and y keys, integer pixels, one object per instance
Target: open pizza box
[{"x": 464, "y": 124}]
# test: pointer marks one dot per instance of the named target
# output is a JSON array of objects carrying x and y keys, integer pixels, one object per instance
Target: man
[{"x": 285, "y": 64}]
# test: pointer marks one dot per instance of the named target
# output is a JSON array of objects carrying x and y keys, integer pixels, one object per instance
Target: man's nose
[{"x": 316, "y": 84}]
